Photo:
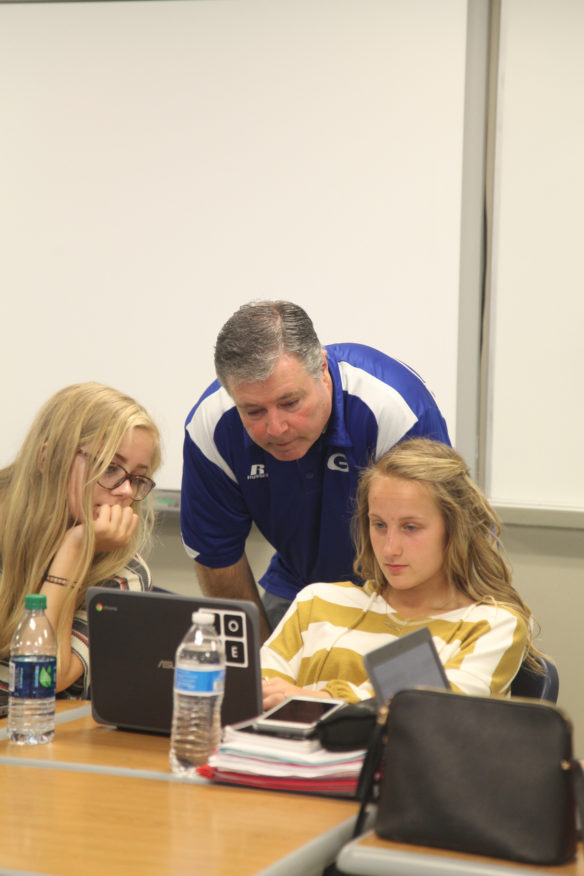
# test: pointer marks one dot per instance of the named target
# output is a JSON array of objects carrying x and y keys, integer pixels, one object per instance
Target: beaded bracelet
[{"x": 54, "y": 579}]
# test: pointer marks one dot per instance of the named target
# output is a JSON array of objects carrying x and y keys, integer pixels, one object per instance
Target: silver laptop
[{"x": 133, "y": 637}]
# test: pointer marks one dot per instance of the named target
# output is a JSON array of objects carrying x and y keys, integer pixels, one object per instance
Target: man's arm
[{"x": 234, "y": 582}]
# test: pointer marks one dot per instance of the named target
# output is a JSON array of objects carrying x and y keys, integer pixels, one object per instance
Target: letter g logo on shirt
[{"x": 338, "y": 462}]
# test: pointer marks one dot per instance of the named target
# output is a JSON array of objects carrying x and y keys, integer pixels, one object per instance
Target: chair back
[{"x": 539, "y": 687}]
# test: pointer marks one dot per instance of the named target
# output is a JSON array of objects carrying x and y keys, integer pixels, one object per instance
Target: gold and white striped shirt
[{"x": 320, "y": 641}]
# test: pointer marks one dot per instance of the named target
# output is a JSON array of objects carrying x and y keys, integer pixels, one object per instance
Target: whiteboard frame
[{"x": 510, "y": 66}]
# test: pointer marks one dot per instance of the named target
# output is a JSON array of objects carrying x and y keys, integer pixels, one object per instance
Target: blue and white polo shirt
[{"x": 302, "y": 507}]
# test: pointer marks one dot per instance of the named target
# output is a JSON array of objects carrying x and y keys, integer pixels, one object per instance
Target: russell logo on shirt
[{"x": 257, "y": 471}]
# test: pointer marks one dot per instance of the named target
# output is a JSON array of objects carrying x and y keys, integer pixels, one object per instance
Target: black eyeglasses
[{"x": 115, "y": 475}]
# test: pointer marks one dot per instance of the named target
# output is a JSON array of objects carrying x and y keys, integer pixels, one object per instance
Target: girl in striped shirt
[{"x": 429, "y": 554}]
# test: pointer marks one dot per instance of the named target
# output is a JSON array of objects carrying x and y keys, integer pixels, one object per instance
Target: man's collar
[{"x": 335, "y": 433}]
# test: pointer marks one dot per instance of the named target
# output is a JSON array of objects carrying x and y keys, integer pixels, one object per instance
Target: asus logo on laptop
[{"x": 165, "y": 664}]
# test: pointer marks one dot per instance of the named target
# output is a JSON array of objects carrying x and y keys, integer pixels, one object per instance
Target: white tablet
[{"x": 297, "y": 716}]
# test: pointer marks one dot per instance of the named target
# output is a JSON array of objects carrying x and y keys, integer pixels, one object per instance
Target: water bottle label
[
  {"x": 33, "y": 679},
  {"x": 197, "y": 681}
]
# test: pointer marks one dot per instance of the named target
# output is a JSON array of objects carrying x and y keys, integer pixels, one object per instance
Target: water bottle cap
[
  {"x": 202, "y": 617},
  {"x": 35, "y": 601}
]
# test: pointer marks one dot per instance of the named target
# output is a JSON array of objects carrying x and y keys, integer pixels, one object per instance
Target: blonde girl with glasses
[{"x": 74, "y": 513}]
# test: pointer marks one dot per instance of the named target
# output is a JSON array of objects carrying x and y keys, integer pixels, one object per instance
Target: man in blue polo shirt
[{"x": 279, "y": 440}]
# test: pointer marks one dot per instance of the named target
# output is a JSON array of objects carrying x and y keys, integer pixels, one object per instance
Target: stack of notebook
[{"x": 283, "y": 764}]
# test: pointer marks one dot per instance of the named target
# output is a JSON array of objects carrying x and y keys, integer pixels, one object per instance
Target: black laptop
[
  {"x": 133, "y": 637},
  {"x": 411, "y": 661}
]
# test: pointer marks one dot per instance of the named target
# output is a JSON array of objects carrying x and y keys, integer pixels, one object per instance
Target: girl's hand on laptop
[{"x": 275, "y": 690}]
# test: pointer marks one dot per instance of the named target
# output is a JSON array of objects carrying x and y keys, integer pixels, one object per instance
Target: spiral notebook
[{"x": 133, "y": 637}]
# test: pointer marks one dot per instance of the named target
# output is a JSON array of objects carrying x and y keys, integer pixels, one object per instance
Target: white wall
[
  {"x": 535, "y": 472},
  {"x": 164, "y": 162},
  {"x": 548, "y": 569}
]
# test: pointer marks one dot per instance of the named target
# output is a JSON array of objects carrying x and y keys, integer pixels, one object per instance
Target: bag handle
[
  {"x": 578, "y": 780},
  {"x": 366, "y": 781}
]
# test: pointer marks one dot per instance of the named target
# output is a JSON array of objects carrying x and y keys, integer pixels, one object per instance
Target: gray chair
[{"x": 539, "y": 687}]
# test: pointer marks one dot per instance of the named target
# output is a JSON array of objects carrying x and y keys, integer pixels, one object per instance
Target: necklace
[{"x": 452, "y": 603}]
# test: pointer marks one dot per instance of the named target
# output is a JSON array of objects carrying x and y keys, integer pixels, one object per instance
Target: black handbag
[{"x": 482, "y": 775}]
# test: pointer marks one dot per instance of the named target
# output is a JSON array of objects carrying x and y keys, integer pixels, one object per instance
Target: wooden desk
[
  {"x": 371, "y": 856},
  {"x": 80, "y": 741},
  {"x": 97, "y": 800}
]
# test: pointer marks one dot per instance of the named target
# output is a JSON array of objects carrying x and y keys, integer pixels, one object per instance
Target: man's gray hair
[{"x": 257, "y": 334}]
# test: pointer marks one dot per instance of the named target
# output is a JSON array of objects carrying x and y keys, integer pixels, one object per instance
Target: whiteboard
[
  {"x": 536, "y": 418},
  {"x": 164, "y": 162}
]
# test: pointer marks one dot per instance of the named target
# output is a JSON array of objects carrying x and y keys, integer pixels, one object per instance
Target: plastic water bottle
[
  {"x": 33, "y": 674},
  {"x": 199, "y": 680}
]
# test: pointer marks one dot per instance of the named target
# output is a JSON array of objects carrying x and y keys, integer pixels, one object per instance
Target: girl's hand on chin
[{"x": 114, "y": 527}]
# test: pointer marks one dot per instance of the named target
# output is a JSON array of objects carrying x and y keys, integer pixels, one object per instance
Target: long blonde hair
[
  {"x": 474, "y": 558},
  {"x": 34, "y": 501}
]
